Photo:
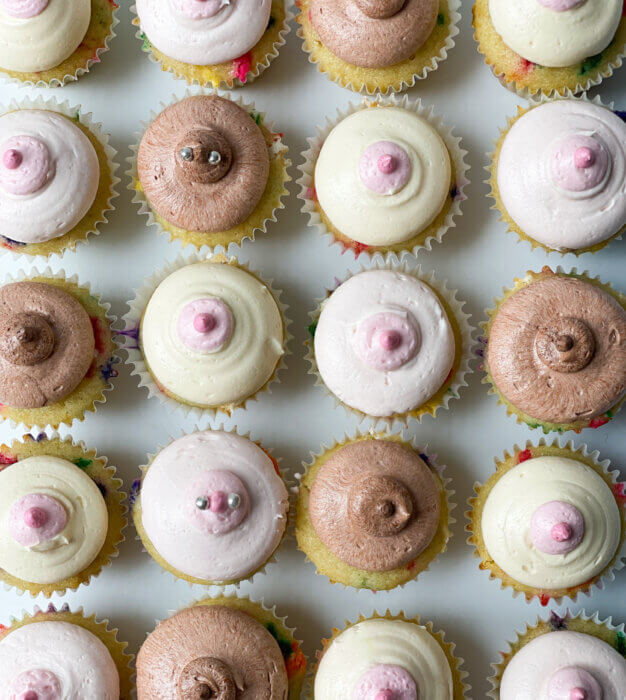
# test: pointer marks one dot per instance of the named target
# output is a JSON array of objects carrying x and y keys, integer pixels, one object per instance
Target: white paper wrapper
[
  {"x": 315, "y": 143},
  {"x": 390, "y": 262},
  {"x": 132, "y": 321}
]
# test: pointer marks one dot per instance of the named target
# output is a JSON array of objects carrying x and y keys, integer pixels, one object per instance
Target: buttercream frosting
[
  {"x": 352, "y": 348},
  {"x": 356, "y": 655},
  {"x": 49, "y": 175},
  {"x": 562, "y": 174},
  {"x": 42, "y": 657},
  {"x": 553, "y": 33},
  {"x": 204, "y": 32}
]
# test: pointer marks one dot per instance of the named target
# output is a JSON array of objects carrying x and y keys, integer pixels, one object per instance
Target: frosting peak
[
  {"x": 205, "y": 325},
  {"x": 557, "y": 527},
  {"x": 574, "y": 683},
  {"x": 580, "y": 165},
  {"x": 26, "y": 339},
  {"x": 385, "y": 682},
  {"x": 566, "y": 346},
  {"x": 561, "y": 5},
  {"x": 206, "y": 677},
  {"x": 27, "y": 165},
  {"x": 24, "y": 9},
  {"x": 380, "y": 505},
  {"x": 204, "y": 156},
  {"x": 200, "y": 9},
  {"x": 380, "y": 9}
]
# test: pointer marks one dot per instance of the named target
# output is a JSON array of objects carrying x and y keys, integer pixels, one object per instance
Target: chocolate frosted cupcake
[
  {"x": 373, "y": 512},
  {"x": 555, "y": 351},
  {"x": 209, "y": 171}
]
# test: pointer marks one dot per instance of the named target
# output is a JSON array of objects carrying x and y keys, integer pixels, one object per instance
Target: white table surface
[{"x": 477, "y": 257}]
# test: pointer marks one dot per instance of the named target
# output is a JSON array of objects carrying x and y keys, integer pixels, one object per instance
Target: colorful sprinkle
[
  {"x": 599, "y": 421},
  {"x": 590, "y": 63},
  {"x": 83, "y": 463},
  {"x": 524, "y": 455},
  {"x": 620, "y": 643},
  {"x": 242, "y": 66},
  {"x": 134, "y": 492},
  {"x": 557, "y": 622},
  {"x": 544, "y": 599},
  {"x": 312, "y": 328},
  {"x": 6, "y": 460}
]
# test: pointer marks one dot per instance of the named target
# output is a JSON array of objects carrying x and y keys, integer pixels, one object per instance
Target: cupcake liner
[
  {"x": 396, "y": 78},
  {"x": 435, "y": 231},
  {"x": 231, "y": 74},
  {"x": 107, "y": 192},
  {"x": 578, "y": 622},
  {"x": 103, "y": 475},
  {"x": 503, "y": 465},
  {"x": 494, "y": 192},
  {"x": 100, "y": 628},
  {"x": 463, "y": 334},
  {"x": 132, "y": 321},
  {"x": 96, "y": 383},
  {"x": 141, "y": 536},
  {"x": 521, "y": 417},
  {"x": 589, "y": 73},
  {"x": 264, "y": 213},
  {"x": 376, "y": 581},
  {"x": 95, "y": 43}
]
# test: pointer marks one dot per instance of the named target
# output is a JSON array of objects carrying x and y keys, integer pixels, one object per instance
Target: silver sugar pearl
[
  {"x": 234, "y": 500},
  {"x": 186, "y": 153},
  {"x": 202, "y": 502},
  {"x": 215, "y": 157}
]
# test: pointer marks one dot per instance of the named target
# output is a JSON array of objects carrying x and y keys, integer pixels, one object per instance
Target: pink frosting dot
[
  {"x": 385, "y": 341},
  {"x": 560, "y": 5},
  {"x": 199, "y": 9},
  {"x": 385, "y": 695},
  {"x": 385, "y": 167},
  {"x": 205, "y": 325},
  {"x": 218, "y": 501},
  {"x": 37, "y": 684},
  {"x": 216, "y": 486},
  {"x": 573, "y": 683},
  {"x": 26, "y": 165},
  {"x": 557, "y": 527},
  {"x": 385, "y": 682},
  {"x": 24, "y": 8},
  {"x": 36, "y": 518},
  {"x": 579, "y": 163}
]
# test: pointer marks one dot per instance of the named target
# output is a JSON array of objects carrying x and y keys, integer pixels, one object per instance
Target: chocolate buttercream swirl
[
  {"x": 557, "y": 349},
  {"x": 375, "y": 504},
  {"x": 203, "y": 164},
  {"x": 380, "y": 9},
  {"x": 26, "y": 339},
  {"x": 206, "y": 678}
]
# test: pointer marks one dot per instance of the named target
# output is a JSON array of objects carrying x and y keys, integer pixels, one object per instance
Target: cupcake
[
  {"x": 211, "y": 335},
  {"x": 550, "y": 522},
  {"x": 555, "y": 352},
  {"x": 387, "y": 176},
  {"x": 61, "y": 514},
  {"x": 550, "y": 46},
  {"x": 557, "y": 175},
  {"x": 391, "y": 345},
  {"x": 52, "y": 42},
  {"x": 57, "y": 177},
  {"x": 62, "y": 654},
  {"x": 373, "y": 512},
  {"x": 221, "y": 647},
  {"x": 211, "y": 507},
  {"x": 215, "y": 42},
  {"x": 56, "y": 350},
  {"x": 573, "y": 657},
  {"x": 378, "y": 45},
  {"x": 209, "y": 171},
  {"x": 388, "y": 657}
]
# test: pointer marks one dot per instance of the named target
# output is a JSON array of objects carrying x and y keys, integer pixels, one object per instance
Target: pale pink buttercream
[
  {"x": 38, "y": 684},
  {"x": 386, "y": 341},
  {"x": 385, "y": 682},
  {"x": 579, "y": 163},
  {"x": 574, "y": 683},
  {"x": 385, "y": 167},
  {"x": 205, "y": 325},
  {"x": 557, "y": 527},
  {"x": 218, "y": 517},
  {"x": 26, "y": 165},
  {"x": 36, "y": 518},
  {"x": 199, "y": 9},
  {"x": 561, "y": 5},
  {"x": 24, "y": 9}
]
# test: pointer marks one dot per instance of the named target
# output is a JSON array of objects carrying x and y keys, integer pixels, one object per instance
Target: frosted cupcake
[
  {"x": 385, "y": 45},
  {"x": 56, "y": 178},
  {"x": 52, "y": 42},
  {"x": 373, "y": 512},
  {"x": 209, "y": 171},
  {"x": 554, "y": 351},
  {"x": 215, "y": 42},
  {"x": 211, "y": 507},
  {"x": 550, "y": 46},
  {"x": 557, "y": 175}
]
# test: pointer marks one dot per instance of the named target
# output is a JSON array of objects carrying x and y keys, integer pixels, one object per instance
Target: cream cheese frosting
[
  {"x": 60, "y": 656},
  {"x": 383, "y": 343},
  {"x": 53, "y": 519},
  {"x": 243, "y": 357},
  {"x": 204, "y": 32},
  {"x": 49, "y": 175},
  {"x": 556, "y": 665},
  {"x": 562, "y": 174},
  {"x": 556, "y": 34},
  {"x": 536, "y": 508},
  {"x": 44, "y": 40},
  {"x": 382, "y": 175},
  {"x": 187, "y": 498},
  {"x": 375, "y": 654}
]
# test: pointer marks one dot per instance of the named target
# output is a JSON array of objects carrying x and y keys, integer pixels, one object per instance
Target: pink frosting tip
[
  {"x": 557, "y": 527},
  {"x": 385, "y": 695},
  {"x": 574, "y": 683},
  {"x": 386, "y": 341},
  {"x": 37, "y": 684},
  {"x": 27, "y": 165},
  {"x": 579, "y": 163},
  {"x": 204, "y": 323},
  {"x": 36, "y": 518},
  {"x": 12, "y": 159},
  {"x": 584, "y": 157},
  {"x": 218, "y": 501},
  {"x": 390, "y": 340},
  {"x": 578, "y": 694},
  {"x": 385, "y": 167},
  {"x": 561, "y": 532},
  {"x": 385, "y": 682},
  {"x": 387, "y": 164},
  {"x": 560, "y": 5},
  {"x": 199, "y": 9},
  {"x": 24, "y": 9}
]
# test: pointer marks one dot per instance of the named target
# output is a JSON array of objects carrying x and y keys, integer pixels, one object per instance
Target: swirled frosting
[
  {"x": 564, "y": 666},
  {"x": 211, "y": 651},
  {"x": 375, "y": 504},
  {"x": 562, "y": 174},
  {"x": 556, "y": 33},
  {"x": 213, "y": 505},
  {"x": 203, "y": 164},
  {"x": 377, "y": 655},
  {"x": 55, "y": 659},
  {"x": 383, "y": 343},
  {"x": 44, "y": 39},
  {"x": 204, "y": 32},
  {"x": 49, "y": 175},
  {"x": 382, "y": 175},
  {"x": 374, "y": 33},
  {"x": 234, "y": 369},
  {"x": 557, "y": 349},
  {"x": 551, "y": 523}
]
